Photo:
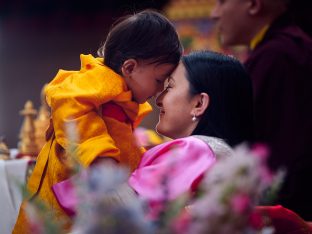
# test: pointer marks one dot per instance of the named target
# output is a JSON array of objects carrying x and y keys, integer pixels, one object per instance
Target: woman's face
[{"x": 176, "y": 106}]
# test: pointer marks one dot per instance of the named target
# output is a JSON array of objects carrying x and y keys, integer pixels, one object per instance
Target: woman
[{"x": 207, "y": 109}]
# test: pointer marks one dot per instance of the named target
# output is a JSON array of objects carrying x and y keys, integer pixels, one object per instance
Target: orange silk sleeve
[{"x": 74, "y": 98}]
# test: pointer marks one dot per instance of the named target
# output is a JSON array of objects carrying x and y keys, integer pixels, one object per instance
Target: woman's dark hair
[
  {"x": 145, "y": 35},
  {"x": 230, "y": 112}
]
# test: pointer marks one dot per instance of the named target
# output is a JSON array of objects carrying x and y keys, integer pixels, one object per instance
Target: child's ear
[
  {"x": 128, "y": 67},
  {"x": 201, "y": 104}
]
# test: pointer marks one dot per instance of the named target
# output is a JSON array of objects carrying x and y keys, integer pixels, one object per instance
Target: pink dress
[{"x": 175, "y": 168}]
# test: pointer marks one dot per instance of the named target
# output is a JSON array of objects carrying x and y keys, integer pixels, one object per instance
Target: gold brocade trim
[
  {"x": 259, "y": 37},
  {"x": 189, "y": 9}
]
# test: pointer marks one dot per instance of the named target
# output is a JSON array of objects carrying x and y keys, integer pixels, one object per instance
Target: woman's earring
[{"x": 194, "y": 118}]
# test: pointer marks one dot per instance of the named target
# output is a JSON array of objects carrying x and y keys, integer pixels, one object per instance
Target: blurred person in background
[{"x": 280, "y": 66}]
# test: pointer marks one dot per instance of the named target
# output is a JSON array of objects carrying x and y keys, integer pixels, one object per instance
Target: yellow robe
[{"x": 77, "y": 97}]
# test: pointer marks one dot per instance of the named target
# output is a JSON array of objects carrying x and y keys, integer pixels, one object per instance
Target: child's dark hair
[
  {"x": 147, "y": 35},
  {"x": 229, "y": 115}
]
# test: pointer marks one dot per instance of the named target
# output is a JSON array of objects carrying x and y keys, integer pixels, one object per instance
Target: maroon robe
[{"x": 281, "y": 70}]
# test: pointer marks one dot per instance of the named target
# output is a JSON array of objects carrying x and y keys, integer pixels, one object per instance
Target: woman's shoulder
[
  {"x": 195, "y": 143},
  {"x": 181, "y": 149},
  {"x": 217, "y": 145}
]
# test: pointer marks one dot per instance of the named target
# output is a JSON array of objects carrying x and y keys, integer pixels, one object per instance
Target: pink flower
[
  {"x": 141, "y": 137},
  {"x": 182, "y": 223},
  {"x": 261, "y": 151},
  {"x": 240, "y": 203},
  {"x": 266, "y": 175}
]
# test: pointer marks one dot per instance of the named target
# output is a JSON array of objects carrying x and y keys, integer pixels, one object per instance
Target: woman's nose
[{"x": 159, "y": 99}]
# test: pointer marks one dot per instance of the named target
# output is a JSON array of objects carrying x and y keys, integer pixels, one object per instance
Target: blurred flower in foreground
[
  {"x": 229, "y": 192},
  {"x": 147, "y": 137},
  {"x": 222, "y": 203},
  {"x": 107, "y": 204}
]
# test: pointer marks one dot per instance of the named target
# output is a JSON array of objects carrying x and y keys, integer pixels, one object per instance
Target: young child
[{"x": 105, "y": 100}]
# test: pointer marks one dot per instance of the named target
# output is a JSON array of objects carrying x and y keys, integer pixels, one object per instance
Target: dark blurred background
[{"x": 38, "y": 37}]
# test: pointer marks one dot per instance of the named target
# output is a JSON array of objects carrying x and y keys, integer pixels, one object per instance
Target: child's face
[{"x": 145, "y": 80}]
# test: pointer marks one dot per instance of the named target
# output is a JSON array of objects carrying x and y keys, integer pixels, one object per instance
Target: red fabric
[
  {"x": 114, "y": 111},
  {"x": 283, "y": 220}
]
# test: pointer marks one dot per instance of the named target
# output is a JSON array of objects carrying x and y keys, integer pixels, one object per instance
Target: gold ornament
[
  {"x": 27, "y": 144},
  {"x": 42, "y": 121},
  {"x": 189, "y": 9},
  {"x": 4, "y": 150}
]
